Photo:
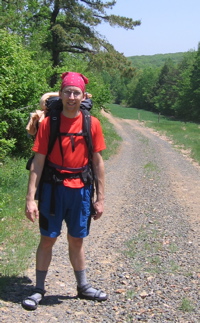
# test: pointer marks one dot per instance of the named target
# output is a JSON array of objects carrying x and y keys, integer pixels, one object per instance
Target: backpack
[
  {"x": 50, "y": 174},
  {"x": 53, "y": 110}
]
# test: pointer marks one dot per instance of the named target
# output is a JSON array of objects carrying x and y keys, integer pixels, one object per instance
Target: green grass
[
  {"x": 130, "y": 294},
  {"x": 150, "y": 166},
  {"x": 111, "y": 137},
  {"x": 130, "y": 113},
  {"x": 186, "y": 305},
  {"x": 183, "y": 135},
  {"x": 17, "y": 238}
]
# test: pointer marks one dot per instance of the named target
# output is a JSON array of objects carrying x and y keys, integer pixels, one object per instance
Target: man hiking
[{"x": 65, "y": 179}]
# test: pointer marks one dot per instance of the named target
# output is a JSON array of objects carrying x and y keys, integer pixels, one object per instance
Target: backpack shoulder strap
[
  {"x": 54, "y": 128},
  {"x": 87, "y": 130}
]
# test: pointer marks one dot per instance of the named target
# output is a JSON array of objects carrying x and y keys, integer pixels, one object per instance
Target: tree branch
[{"x": 77, "y": 49}]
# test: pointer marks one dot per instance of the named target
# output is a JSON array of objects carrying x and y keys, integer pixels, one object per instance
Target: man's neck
[{"x": 70, "y": 114}]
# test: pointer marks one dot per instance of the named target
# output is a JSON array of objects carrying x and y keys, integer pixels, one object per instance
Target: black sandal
[
  {"x": 31, "y": 302},
  {"x": 97, "y": 296}
]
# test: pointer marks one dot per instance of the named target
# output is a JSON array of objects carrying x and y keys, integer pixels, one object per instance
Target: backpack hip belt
[
  {"x": 52, "y": 175},
  {"x": 78, "y": 169}
]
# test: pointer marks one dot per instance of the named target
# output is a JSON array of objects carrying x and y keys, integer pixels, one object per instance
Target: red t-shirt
[{"x": 72, "y": 159}]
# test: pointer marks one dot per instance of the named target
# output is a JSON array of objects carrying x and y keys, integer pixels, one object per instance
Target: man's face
[{"x": 71, "y": 97}]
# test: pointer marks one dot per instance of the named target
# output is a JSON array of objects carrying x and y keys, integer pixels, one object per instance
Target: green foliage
[
  {"x": 6, "y": 145},
  {"x": 115, "y": 70},
  {"x": 141, "y": 89},
  {"x": 165, "y": 89},
  {"x": 182, "y": 105},
  {"x": 195, "y": 88},
  {"x": 172, "y": 90},
  {"x": 22, "y": 81},
  {"x": 57, "y": 27},
  {"x": 21, "y": 78},
  {"x": 101, "y": 95}
]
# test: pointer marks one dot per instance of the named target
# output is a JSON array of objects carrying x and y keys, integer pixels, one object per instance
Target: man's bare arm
[
  {"x": 37, "y": 165},
  {"x": 98, "y": 166}
]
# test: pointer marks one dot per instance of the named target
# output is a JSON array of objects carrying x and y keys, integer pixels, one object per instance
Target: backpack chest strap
[{"x": 71, "y": 135}]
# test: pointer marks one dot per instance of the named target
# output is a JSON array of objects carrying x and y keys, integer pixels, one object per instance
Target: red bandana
[{"x": 74, "y": 79}]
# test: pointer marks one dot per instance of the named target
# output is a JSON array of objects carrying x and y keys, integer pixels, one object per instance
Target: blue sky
[{"x": 167, "y": 26}]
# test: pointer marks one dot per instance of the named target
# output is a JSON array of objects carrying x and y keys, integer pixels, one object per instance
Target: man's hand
[
  {"x": 31, "y": 210},
  {"x": 99, "y": 208}
]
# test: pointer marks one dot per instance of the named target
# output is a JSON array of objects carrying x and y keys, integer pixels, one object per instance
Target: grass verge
[
  {"x": 111, "y": 137},
  {"x": 18, "y": 237},
  {"x": 184, "y": 135}
]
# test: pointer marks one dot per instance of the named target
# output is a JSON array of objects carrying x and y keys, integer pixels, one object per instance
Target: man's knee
[
  {"x": 47, "y": 242},
  {"x": 75, "y": 242}
]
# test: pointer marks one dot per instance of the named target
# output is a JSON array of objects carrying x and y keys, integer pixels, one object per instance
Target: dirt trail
[
  {"x": 144, "y": 251},
  {"x": 185, "y": 184}
]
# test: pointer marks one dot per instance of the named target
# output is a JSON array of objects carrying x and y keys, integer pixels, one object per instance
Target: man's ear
[{"x": 84, "y": 96}]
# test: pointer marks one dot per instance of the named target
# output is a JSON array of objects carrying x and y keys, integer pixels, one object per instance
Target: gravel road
[{"x": 144, "y": 251}]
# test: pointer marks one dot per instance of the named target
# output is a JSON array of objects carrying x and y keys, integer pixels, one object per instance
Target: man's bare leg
[
  {"x": 77, "y": 258},
  {"x": 43, "y": 260}
]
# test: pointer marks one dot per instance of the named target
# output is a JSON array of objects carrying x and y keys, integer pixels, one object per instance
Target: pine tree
[{"x": 64, "y": 25}]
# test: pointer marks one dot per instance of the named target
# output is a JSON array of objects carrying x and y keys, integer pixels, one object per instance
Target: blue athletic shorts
[{"x": 71, "y": 204}]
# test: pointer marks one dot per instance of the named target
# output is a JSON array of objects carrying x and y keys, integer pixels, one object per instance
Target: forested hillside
[
  {"x": 157, "y": 60},
  {"x": 171, "y": 88}
]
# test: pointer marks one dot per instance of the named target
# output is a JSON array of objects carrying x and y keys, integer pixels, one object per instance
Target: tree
[
  {"x": 165, "y": 89},
  {"x": 141, "y": 90},
  {"x": 182, "y": 105},
  {"x": 195, "y": 88},
  {"x": 69, "y": 25},
  {"x": 115, "y": 69}
]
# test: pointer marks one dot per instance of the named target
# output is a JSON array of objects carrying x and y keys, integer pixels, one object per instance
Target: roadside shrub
[{"x": 22, "y": 82}]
